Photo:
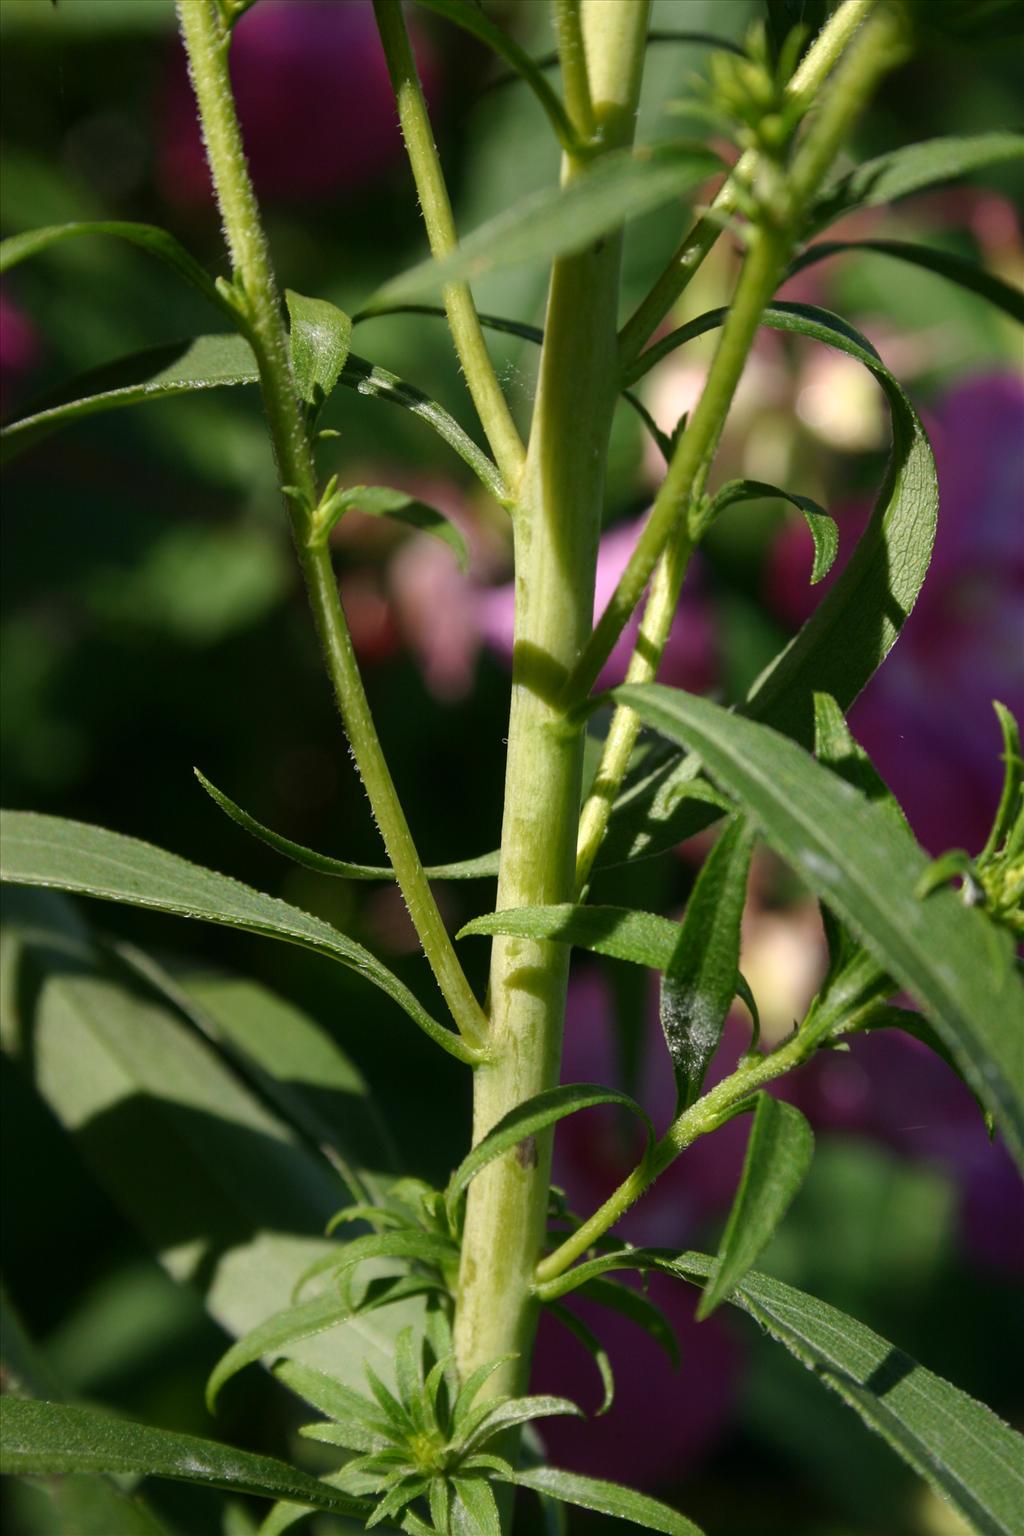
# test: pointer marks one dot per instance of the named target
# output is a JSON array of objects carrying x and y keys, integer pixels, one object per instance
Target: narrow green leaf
[
  {"x": 911, "y": 169},
  {"x": 836, "y": 748},
  {"x": 607, "y": 1499},
  {"x": 699, "y": 983},
  {"x": 149, "y": 237},
  {"x": 1011, "y": 798},
  {"x": 473, "y": 20},
  {"x": 619, "y": 932},
  {"x": 407, "y": 1243},
  {"x": 471, "y": 1388},
  {"x": 592, "y": 1344},
  {"x": 283, "y": 1517},
  {"x": 517, "y": 1129},
  {"x": 478, "y": 1514},
  {"x": 966, "y": 274},
  {"x": 556, "y": 221},
  {"x": 378, "y": 383},
  {"x": 321, "y": 335},
  {"x": 779, "y": 1154},
  {"x": 90, "y": 861},
  {"x": 301, "y": 1321},
  {"x": 852, "y": 855},
  {"x": 854, "y": 627},
  {"x": 45, "y": 1439},
  {"x": 967, "y": 1454},
  {"x": 823, "y": 528},
  {"x": 483, "y": 867},
  {"x": 639, "y": 1309},
  {"x": 203, "y": 362},
  {"x": 330, "y": 1397},
  {"x": 382, "y": 501},
  {"x": 492, "y": 1419}
]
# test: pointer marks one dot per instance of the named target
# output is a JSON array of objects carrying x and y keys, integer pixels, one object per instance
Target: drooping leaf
[
  {"x": 475, "y": 21},
  {"x": 483, "y": 867},
  {"x": 383, "y": 501},
  {"x": 204, "y": 362},
  {"x": 527, "y": 1120},
  {"x": 592, "y": 1344},
  {"x": 90, "y": 861},
  {"x": 968, "y": 1455},
  {"x": 607, "y": 1499},
  {"x": 911, "y": 169},
  {"x": 405, "y": 1243},
  {"x": 46, "y": 1439},
  {"x": 557, "y": 221},
  {"x": 304, "y": 1320},
  {"x": 321, "y": 335},
  {"x": 966, "y": 274},
  {"x": 639, "y": 1309},
  {"x": 218, "y": 1186},
  {"x": 852, "y": 855},
  {"x": 149, "y": 237},
  {"x": 852, "y": 630},
  {"x": 779, "y": 1154},
  {"x": 699, "y": 983},
  {"x": 822, "y": 527},
  {"x": 492, "y": 1418}
]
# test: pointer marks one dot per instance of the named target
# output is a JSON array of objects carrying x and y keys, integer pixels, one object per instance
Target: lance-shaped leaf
[
  {"x": 321, "y": 335},
  {"x": 1010, "y": 811},
  {"x": 383, "y": 501},
  {"x": 179, "y": 368},
  {"x": 557, "y": 221},
  {"x": 607, "y": 1499},
  {"x": 853, "y": 856},
  {"x": 592, "y": 1344},
  {"x": 911, "y": 169},
  {"x": 90, "y": 861},
  {"x": 966, "y": 274},
  {"x": 485, "y": 866},
  {"x": 779, "y": 1154},
  {"x": 518, "y": 1128},
  {"x": 303, "y": 1321},
  {"x": 822, "y": 527},
  {"x": 852, "y": 630},
  {"x": 969, "y": 1456},
  {"x": 148, "y": 237},
  {"x": 638, "y": 1308},
  {"x": 475, "y": 21},
  {"x": 699, "y": 983},
  {"x": 46, "y": 1439}
]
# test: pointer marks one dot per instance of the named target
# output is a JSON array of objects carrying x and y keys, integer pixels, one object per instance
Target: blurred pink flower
[
  {"x": 314, "y": 100},
  {"x": 19, "y": 348},
  {"x": 690, "y": 656},
  {"x": 926, "y": 719}
]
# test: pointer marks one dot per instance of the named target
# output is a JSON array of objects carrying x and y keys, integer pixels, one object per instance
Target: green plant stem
[
  {"x": 811, "y": 74},
  {"x": 206, "y": 43},
  {"x": 556, "y": 532},
  {"x": 463, "y": 322},
  {"x": 573, "y": 61},
  {"x": 709, "y": 1112}
]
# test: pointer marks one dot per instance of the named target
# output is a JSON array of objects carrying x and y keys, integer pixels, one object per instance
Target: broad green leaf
[
  {"x": 369, "y": 379},
  {"x": 779, "y": 1154},
  {"x": 321, "y": 335},
  {"x": 853, "y": 628},
  {"x": 851, "y": 854},
  {"x": 220, "y": 1189},
  {"x": 149, "y": 237},
  {"x": 483, "y": 867},
  {"x": 382, "y": 501},
  {"x": 969, "y": 1456},
  {"x": 46, "y": 1439},
  {"x": 699, "y": 982},
  {"x": 90, "y": 861},
  {"x": 967, "y": 274},
  {"x": 640, "y": 1309},
  {"x": 607, "y": 1499},
  {"x": 911, "y": 169},
  {"x": 822, "y": 527},
  {"x": 517, "y": 1129},
  {"x": 472, "y": 19},
  {"x": 205, "y": 362},
  {"x": 592, "y": 1344},
  {"x": 557, "y": 221}
]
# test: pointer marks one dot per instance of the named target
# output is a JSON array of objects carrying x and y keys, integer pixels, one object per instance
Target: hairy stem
[
  {"x": 206, "y": 42},
  {"x": 811, "y": 74},
  {"x": 467, "y": 333},
  {"x": 557, "y": 522}
]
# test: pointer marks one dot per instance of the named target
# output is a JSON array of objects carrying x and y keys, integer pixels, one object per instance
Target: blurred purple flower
[
  {"x": 314, "y": 100},
  {"x": 690, "y": 656},
  {"x": 926, "y": 719},
  {"x": 19, "y": 348}
]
